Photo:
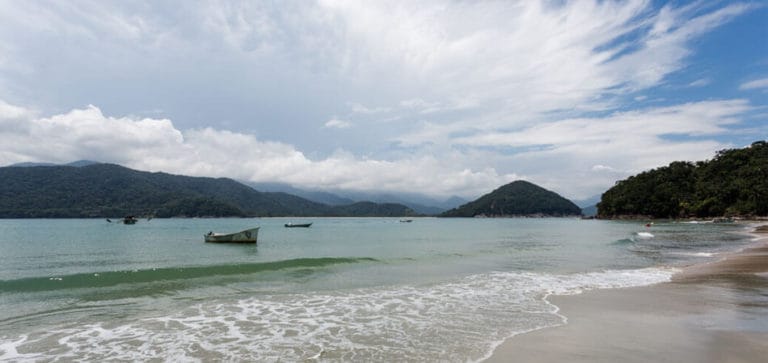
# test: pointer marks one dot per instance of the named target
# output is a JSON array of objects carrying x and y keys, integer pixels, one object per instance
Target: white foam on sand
[
  {"x": 694, "y": 254},
  {"x": 462, "y": 320},
  {"x": 8, "y": 351}
]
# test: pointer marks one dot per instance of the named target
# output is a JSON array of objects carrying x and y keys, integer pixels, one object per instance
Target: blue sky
[{"x": 435, "y": 97}]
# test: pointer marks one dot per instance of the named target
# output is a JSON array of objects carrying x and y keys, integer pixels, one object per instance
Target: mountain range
[
  {"x": 92, "y": 189},
  {"x": 106, "y": 190},
  {"x": 420, "y": 203}
]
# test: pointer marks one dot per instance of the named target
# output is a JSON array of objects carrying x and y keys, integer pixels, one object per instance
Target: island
[{"x": 517, "y": 199}]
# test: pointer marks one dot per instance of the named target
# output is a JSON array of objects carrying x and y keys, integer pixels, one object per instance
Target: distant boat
[
  {"x": 406, "y": 220},
  {"x": 126, "y": 220},
  {"x": 246, "y": 236},
  {"x": 297, "y": 225}
]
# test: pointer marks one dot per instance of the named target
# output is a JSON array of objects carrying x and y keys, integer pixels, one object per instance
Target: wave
[
  {"x": 644, "y": 235},
  {"x": 623, "y": 241},
  {"x": 112, "y": 278},
  {"x": 457, "y": 320}
]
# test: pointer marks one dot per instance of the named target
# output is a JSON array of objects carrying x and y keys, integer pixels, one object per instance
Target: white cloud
[
  {"x": 572, "y": 155},
  {"x": 700, "y": 82},
  {"x": 416, "y": 103},
  {"x": 569, "y": 169},
  {"x": 87, "y": 133},
  {"x": 520, "y": 63},
  {"x": 755, "y": 84},
  {"x": 12, "y": 114},
  {"x": 358, "y": 108},
  {"x": 599, "y": 167},
  {"x": 338, "y": 124},
  {"x": 156, "y": 145},
  {"x": 526, "y": 60},
  {"x": 692, "y": 119},
  {"x": 469, "y": 93},
  {"x": 575, "y": 157},
  {"x": 664, "y": 48}
]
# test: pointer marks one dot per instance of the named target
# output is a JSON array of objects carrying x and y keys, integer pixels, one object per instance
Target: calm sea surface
[{"x": 346, "y": 289}]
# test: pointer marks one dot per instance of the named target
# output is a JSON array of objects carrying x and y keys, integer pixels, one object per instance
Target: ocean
[{"x": 345, "y": 289}]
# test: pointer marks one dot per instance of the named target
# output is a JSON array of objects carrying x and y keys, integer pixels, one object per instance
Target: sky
[{"x": 441, "y": 98}]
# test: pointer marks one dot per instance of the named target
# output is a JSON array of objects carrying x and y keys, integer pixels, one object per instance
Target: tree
[{"x": 734, "y": 182}]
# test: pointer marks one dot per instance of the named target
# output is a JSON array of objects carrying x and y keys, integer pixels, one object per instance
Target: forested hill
[
  {"x": 519, "y": 198},
  {"x": 107, "y": 190},
  {"x": 733, "y": 183}
]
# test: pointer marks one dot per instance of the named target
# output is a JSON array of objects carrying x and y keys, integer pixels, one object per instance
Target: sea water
[{"x": 345, "y": 289}]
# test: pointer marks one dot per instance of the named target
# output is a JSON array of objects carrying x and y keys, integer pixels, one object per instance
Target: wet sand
[
  {"x": 714, "y": 312},
  {"x": 751, "y": 260}
]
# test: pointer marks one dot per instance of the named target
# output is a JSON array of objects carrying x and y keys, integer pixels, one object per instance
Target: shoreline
[
  {"x": 706, "y": 313},
  {"x": 750, "y": 260}
]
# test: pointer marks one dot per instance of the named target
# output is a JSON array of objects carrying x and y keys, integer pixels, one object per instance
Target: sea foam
[{"x": 461, "y": 320}]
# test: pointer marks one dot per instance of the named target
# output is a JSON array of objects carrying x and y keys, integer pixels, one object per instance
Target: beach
[
  {"x": 710, "y": 312},
  {"x": 376, "y": 289}
]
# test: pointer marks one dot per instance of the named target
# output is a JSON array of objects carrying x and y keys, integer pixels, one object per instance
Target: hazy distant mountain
[
  {"x": 419, "y": 203},
  {"x": 519, "y": 198},
  {"x": 107, "y": 190},
  {"x": 584, "y": 203},
  {"x": 453, "y": 202},
  {"x": 79, "y": 163},
  {"x": 31, "y": 164},
  {"x": 589, "y": 211},
  {"x": 315, "y": 196}
]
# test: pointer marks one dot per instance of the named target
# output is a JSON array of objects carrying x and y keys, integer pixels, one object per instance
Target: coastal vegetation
[
  {"x": 733, "y": 183},
  {"x": 517, "y": 199},
  {"x": 108, "y": 190}
]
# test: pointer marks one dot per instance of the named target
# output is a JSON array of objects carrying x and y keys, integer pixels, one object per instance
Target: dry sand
[{"x": 715, "y": 312}]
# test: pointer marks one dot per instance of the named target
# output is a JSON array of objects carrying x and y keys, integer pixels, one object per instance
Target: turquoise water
[{"x": 349, "y": 289}]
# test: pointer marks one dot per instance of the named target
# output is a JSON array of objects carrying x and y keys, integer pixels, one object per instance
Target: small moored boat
[
  {"x": 246, "y": 236},
  {"x": 297, "y": 225}
]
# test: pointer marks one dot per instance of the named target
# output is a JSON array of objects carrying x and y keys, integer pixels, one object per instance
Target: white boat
[{"x": 246, "y": 236}]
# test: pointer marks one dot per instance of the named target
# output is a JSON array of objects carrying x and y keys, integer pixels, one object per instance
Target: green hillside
[
  {"x": 734, "y": 183},
  {"x": 519, "y": 198},
  {"x": 106, "y": 190}
]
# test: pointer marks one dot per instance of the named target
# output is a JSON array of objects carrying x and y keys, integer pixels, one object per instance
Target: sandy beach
[
  {"x": 750, "y": 261},
  {"x": 713, "y": 312}
]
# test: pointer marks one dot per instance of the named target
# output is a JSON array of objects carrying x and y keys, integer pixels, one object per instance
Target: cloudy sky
[{"x": 436, "y": 97}]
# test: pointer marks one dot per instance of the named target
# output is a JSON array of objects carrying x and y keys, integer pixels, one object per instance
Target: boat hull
[
  {"x": 297, "y": 225},
  {"x": 246, "y": 236}
]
